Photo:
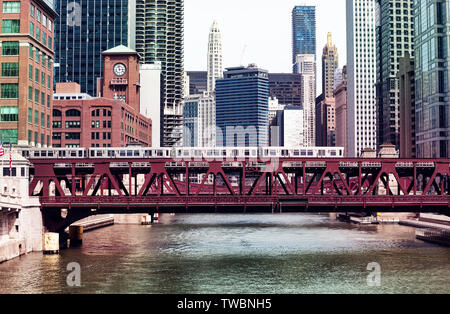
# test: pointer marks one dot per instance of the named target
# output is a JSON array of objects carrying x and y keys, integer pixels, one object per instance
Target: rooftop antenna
[{"x": 243, "y": 53}]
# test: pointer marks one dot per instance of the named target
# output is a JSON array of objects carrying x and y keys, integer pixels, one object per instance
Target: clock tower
[{"x": 120, "y": 76}]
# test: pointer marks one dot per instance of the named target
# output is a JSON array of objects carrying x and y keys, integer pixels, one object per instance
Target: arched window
[
  {"x": 57, "y": 113},
  {"x": 73, "y": 113}
]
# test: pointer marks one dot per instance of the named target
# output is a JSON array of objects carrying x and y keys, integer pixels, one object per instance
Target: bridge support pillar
[
  {"x": 76, "y": 235},
  {"x": 146, "y": 220},
  {"x": 50, "y": 243}
]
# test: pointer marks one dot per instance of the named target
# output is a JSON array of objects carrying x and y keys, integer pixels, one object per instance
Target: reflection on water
[{"x": 288, "y": 253}]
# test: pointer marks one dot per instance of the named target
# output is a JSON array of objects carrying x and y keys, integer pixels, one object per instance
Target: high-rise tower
[
  {"x": 330, "y": 62},
  {"x": 432, "y": 92},
  {"x": 306, "y": 67},
  {"x": 160, "y": 37},
  {"x": 303, "y": 31},
  {"x": 26, "y": 80},
  {"x": 215, "y": 67},
  {"x": 361, "y": 75},
  {"x": 395, "y": 39},
  {"x": 83, "y": 30}
]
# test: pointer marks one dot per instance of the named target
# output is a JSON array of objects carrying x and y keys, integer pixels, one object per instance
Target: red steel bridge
[{"x": 123, "y": 184}]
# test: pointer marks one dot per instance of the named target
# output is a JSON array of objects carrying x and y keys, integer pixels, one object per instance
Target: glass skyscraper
[
  {"x": 242, "y": 107},
  {"x": 304, "y": 31},
  {"x": 83, "y": 30},
  {"x": 394, "y": 38},
  {"x": 431, "y": 30}
]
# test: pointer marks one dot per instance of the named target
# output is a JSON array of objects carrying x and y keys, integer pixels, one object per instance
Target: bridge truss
[{"x": 276, "y": 185}]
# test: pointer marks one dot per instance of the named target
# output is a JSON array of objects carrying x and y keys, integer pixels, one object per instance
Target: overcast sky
[{"x": 258, "y": 31}]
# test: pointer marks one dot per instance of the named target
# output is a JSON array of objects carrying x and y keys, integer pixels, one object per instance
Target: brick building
[
  {"x": 26, "y": 81},
  {"x": 110, "y": 120}
]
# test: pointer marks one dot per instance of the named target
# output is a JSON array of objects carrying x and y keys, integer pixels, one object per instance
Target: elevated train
[{"x": 182, "y": 153}]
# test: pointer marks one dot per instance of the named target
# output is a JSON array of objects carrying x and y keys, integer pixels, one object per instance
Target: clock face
[{"x": 119, "y": 69}]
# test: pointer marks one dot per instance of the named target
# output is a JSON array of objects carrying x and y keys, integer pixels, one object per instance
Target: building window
[
  {"x": 10, "y": 69},
  {"x": 56, "y": 136},
  {"x": 10, "y": 48},
  {"x": 72, "y": 136},
  {"x": 73, "y": 124},
  {"x": 10, "y": 26},
  {"x": 57, "y": 113},
  {"x": 36, "y": 117},
  {"x": 30, "y": 115},
  {"x": 9, "y": 136},
  {"x": 73, "y": 113},
  {"x": 9, "y": 114},
  {"x": 30, "y": 93},
  {"x": 42, "y": 120},
  {"x": 10, "y": 91}
]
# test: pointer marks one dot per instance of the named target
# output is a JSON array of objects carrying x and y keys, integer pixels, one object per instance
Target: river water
[{"x": 288, "y": 253}]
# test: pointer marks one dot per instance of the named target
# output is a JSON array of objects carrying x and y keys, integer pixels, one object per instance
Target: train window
[
  {"x": 321, "y": 153},
  {"x": 129, "y": 153},
  {"x": 136, "y": 153},
  {"x": 62, "y": 153},
  {"x": 247, "y": 153},
  {"x": 333, "y": 153},
  {"x": 110, "y": 153},
  {"x": 43, "y": 153},
  {"x": 159, "y": 153},
  {"x": 122, "y": 153},
  {"x": 73, "y": 154},
  {"x": 273, "y": 152},
  {"x": 296, "y": 152},
  {"x": 50, "y": 153},
  {"x": 99, "y": 153},
  {"x": 303, "y": 153},
  {"x": 284, "y": 153},
  {"x": 198, "y": 153},
  {"x": 310, "y": 153}
]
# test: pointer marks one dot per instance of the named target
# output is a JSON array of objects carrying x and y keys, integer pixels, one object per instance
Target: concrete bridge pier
[{"x": 57, "y": 220}]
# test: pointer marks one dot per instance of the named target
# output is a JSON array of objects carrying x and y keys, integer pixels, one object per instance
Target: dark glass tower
[
  {"x": 83, "y": 30},
  {"x": 303, "y": 31},
  {"x": 242, "y": 107}
]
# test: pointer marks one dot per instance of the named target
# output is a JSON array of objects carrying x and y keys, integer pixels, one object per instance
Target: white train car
[{"x": 183, "y": 153}]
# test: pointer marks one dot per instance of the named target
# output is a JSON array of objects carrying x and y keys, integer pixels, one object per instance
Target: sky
[{"x": 258, "y": 31}]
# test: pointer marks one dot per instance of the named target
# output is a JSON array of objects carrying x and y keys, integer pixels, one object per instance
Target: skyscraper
[
  {"x": 303, "y": 31},
  {"x": 286, "y": 87},
  {"x": 431, "y": 24},
  {"x": 395, "y": 38},
  {"x": 26, "y": 81},
  {"x": 330, "y": 62},
  {"x": 215, "y": 67},
  {"x": 361, "y": 74},
  {"x": 306, "y": 67},
  {"x": 242, "y": 107},
  {"x": 83, "y": 30},
  {"x": 159, "y": 37}
]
